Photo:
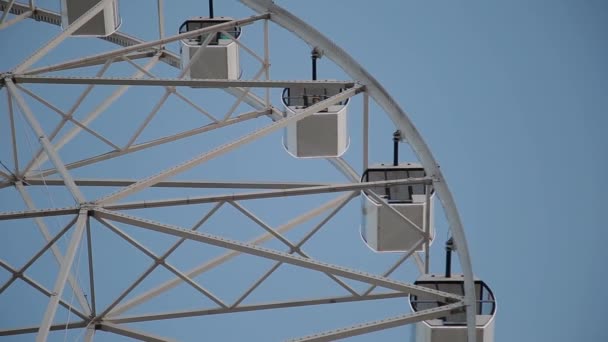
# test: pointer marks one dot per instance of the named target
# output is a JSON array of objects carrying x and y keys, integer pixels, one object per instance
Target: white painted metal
[
  {"x": 62, "y": 277},
  {"x": 275, "y": 255},
  {"x": 263, "y": 107},
  {"x": 252, "y": 307},
  {"x": 401, "y": 120},
  {"x": 40, "y": 158},
  {"x": 227, "y": 147},
  {"x": 366, "y": 328},
  {"x": 74, "y": 26},
  {"x": 271, "y": 194},
  {"x": 177, "y": 82},
  {"x": 104, "y": 23},
  {"x": 46, "y": 144},
  {"x": 140, "y": 45},
  {"x": 337, "y": 204}
]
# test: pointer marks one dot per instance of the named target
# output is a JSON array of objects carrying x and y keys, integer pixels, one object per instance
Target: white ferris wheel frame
[{"x": 102, "y": 209}]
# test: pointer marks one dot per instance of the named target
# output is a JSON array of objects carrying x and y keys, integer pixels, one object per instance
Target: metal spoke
[
  {"x": 176, "y": 93},
  {"x": 62, "y": 277},
  {"x": 277, "y": 256},
  {"x": 39, "y": 156},
  {"x": 36, "y": 256},
  {"x": 95, "y": 113},
  {"x": 300, "y": 191},
  {"x": 132, "y": 333},
  {"x": 298, "y": 245},
  {"x": 83, "y": 19},
  {"x": 156, "y": 142},
  {"x": 139, "y": 46},
  {"x": 292, "y": 248},
  {"x": 11, "y": 118},
  {"x": 254, "y": 307},
  {"x": 46, "y": 144},
  {"x": 67, "y": 117},
  {"x": 388, "y": 323},
  {"x": 42, "y": 290},
  {"x": 145, "y": 183},
  {"x": 163, "y": 262},
  {"x": 227, "y": 256}
]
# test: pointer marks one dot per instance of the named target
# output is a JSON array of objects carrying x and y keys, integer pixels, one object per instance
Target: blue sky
[{"x": 511, "y": 98}]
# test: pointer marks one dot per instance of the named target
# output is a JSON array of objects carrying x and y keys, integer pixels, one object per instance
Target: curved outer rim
[{"x": 314, "y": 38}]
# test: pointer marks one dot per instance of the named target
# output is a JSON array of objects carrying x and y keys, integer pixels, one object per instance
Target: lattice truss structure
[{"x": 135, "y": 199}]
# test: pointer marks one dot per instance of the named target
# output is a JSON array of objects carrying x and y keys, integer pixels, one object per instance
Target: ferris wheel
[{"x": 160, "y": 182}]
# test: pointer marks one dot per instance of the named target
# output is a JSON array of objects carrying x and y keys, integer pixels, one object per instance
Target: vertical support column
[
  {"x": 161, "y": 21},
  {"x": 11, "y": 118},
  {"x": 62, "y": 277},
  {"x": 427, "y": 226},
  {"x": 91, "y": 273},
  {"x": 54, "y": 249},
  {"x": 365, "y": 131},
  {"x": 266, "y": 62}
]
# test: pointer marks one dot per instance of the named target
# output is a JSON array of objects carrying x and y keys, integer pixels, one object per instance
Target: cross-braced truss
[{"x": 128, "y": 181}]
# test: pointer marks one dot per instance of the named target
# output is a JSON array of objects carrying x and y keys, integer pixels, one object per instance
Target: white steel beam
[
  {"x": 11, "y": 118},
  {"x": 162, "y": 261},
  {"x": 46, "y": 144},
  {"x": 13, "y": 215},
  {"x": 35, "y": 257},
  {"x": 168, "y": 92},
  {"x": 193, "y": 184},
  {"x": 156, "y": 142},
  {"x": 253, "y": 307},
  {"x": 54, "y": 327},
  {"x": 161, "y": 21},
  {"x": 388, "y": 323},
  {"x": 41, "y": 289},
  {"x": 176, "y": 82},
  {"x": 166, "y": 286},
  {"x": 145, "y": 183},
  {"x": 6, "y": 9},
  {"x": 314, "y": 38},
  {"x": 292, "y": 248},
  {"x": 94, "y": 114},
  {"x": 299, "y": 244},
  {"x": 83, "y": 19},
  {"x": 139, "y": 46},
  {"x": 65, "y": 117},
  {"x": 62, "y": 277},
  {"x": 401, "y": 260},
  {"x": 175, "y": 92},
  {"x": 365, "y": 143},
  {"x": 39, "y": 155},
  {"x": 16, "y": 19},
  {"x": 132, "y": 333},
  {"x": 300, "y": 191},
  {"x": 89, "y": 334},
  {"x": 91, "y": 269},
  {"x": 153, "y": 266},
  {"x": 251, "y": 249}
]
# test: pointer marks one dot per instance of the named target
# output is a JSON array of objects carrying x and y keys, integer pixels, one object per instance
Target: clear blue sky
[{"x": 512, "y": 98}]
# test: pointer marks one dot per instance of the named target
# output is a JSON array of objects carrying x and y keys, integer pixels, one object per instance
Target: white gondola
[
  {"x": 384, "y": 230},
  {"x": 219, "y": 59},
  {"x": 323, "y": 134},
  {"x": 102, "y": 24},
  {"x": 452, "y": 327}
]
